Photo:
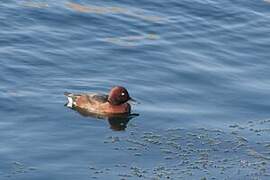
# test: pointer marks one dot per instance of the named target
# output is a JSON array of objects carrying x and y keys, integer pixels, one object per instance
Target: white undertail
[{"x": 70, "y": 102}]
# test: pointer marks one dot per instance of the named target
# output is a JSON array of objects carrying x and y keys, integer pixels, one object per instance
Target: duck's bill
[{"x": 133, "y": 101}]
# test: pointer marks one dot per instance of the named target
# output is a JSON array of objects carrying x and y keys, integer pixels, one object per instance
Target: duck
[{"x": 115, "y": 102}]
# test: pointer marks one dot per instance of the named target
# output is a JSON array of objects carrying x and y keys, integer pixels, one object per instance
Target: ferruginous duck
[{"x": 116, "y": 102}]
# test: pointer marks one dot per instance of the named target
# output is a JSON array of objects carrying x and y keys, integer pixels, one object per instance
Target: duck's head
[{"x": 118, "y": 95}]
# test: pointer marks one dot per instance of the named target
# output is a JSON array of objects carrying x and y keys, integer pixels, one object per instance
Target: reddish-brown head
[{"x": 118, "y": 95}]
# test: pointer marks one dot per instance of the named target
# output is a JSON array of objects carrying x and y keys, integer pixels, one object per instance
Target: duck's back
[{"x": 95, "y": 103}]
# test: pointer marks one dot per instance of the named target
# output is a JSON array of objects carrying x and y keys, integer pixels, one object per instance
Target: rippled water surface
[{"x": 200, "y": 70}]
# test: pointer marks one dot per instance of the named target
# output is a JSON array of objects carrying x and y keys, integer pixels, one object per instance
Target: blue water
[{"x": 200, "y": 70}]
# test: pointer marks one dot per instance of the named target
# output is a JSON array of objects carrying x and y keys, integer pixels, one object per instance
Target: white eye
[{"x": 122, "y": 94}]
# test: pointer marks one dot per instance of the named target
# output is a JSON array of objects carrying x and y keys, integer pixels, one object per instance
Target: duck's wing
[
  {"x": 101, "y": 98},
  {"x": 87, "y": 98}
]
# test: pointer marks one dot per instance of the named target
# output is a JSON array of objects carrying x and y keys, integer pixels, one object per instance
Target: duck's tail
[{"x": 70, "y": 99}]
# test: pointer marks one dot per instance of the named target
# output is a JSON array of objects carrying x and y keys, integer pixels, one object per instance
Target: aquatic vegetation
[{"x": 187, "y": 153}]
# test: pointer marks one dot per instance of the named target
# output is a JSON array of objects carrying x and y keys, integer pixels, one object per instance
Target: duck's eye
[{"x": 122, "y": 94}]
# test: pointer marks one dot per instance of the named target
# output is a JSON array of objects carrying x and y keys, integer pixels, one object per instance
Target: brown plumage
[{"x": 116, "y": 102}]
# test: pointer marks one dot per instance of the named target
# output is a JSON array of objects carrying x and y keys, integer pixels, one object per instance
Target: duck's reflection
[{"x": 118, "y": 122}]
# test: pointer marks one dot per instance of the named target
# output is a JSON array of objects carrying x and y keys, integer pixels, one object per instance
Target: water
[{"x": 200, "y": 70}]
